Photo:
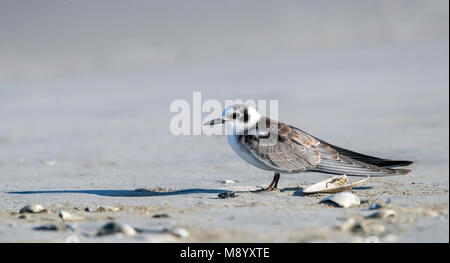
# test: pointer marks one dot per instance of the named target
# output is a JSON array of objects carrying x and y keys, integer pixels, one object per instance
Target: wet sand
[{"x": 94, "y": 140}]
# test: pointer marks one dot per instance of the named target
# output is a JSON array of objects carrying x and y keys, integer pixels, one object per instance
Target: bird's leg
[{"x": 273, "y": 185}]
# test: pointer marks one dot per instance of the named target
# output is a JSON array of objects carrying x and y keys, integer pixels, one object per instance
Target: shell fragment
[
  {"x": 335, "y": 184},
  {"x": 344, "y": 199}
]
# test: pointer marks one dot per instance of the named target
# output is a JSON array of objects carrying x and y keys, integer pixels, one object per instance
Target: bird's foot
[{"x": 268, "y": 189}]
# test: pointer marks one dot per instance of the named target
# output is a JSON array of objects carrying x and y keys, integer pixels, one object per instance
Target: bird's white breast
[{"x": 245, "y": 154}]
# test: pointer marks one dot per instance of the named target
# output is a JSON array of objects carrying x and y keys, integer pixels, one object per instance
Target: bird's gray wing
[
  {"x": 283, "y": 148},
  {"x": 293, "y": 150}
]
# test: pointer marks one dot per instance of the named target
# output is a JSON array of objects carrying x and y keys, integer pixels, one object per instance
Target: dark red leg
[{"x": 273, "y": 185}]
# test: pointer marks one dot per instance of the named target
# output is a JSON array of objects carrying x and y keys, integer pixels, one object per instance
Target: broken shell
[
  {"x": 107, "y": 209},
  {"x": 116, "y": 228},
  {"x": 382, "y": 213},
  {"x": 229, "y": 182},
  {"x": 178, "y": 232},
  {"x": 344, "y": 199},
  {"x": 33, "y": 208},
  {"x": 335, "y": 184},
  {"x": 66, "y": 216}
]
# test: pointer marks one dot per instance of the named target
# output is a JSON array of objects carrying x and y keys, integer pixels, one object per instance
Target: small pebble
[
  {"x": 116, "y": 228},
  {"x": 54, "y": 227},
  {"x": 382, "y": 213},
  {"x": 33, "y": 208},
  {"x": 227, "y": 195},
  {"x": 160, "y": 216},
  {"x": 87, "y": 209},
  {"x": 347, "y": 225},
  {"x": 375, "y": 206},
  {"x": 178, "y": 232},
  {"x": 23, "y": 216}
]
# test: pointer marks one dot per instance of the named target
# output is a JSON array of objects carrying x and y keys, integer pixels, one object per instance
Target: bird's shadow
[
  {"x": 125, "y": 193},
  {"x": 297, "y": 191}
]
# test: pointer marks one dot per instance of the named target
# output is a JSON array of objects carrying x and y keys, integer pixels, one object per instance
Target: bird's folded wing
[
  {"x": 289, "y": 149},
  {"x": 283, "y": 148}
]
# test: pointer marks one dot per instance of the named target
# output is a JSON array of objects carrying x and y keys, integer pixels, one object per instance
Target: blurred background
[
  {"x": 58, "y": 38},
  {"x": 86, "y": 85},
  {"x": 82, "y": 80}
]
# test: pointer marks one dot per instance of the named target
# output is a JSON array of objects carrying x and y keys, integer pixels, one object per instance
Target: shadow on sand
[
  {"x": 297, "y": 191},
  {"x": 125, "y": 193}
]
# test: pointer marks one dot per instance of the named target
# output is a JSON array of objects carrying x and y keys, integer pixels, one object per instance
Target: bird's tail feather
[
  {"x": 380, "y": 162},
  {"x": 352, "y": 167}
]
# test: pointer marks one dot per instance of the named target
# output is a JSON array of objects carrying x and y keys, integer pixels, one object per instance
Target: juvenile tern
[{"x": 282, "y": 148}]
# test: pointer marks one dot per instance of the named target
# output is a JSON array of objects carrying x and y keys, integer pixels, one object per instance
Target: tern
[{"x": 282, "y": 148}]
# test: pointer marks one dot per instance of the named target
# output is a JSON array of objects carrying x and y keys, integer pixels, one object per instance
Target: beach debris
[
  {"x": 344, "y": 199},
  {"x": 116, "y": 228},
  {"x": 361, "y": 226},
  {"x": 347, "y": 224},
  {"x": 335, "y": 184},
  {"x": 23, "y": 216},
  {"x": 107, "y": 208},
  {"x": 431, "y": 213},
  {"x": 176, "y": 231},
  {"x": 160, "y": 216},
  {"x": 382, "y": 213},
  {"x": 87, "y": 209},
  {"x": 54, "y": 227},
  {"x": 228, "y": 194},
  {"x": 33, "y": 209},
  {"x": 374, "y": 206},
  {"x": 229, "y": 181},
  {"x": 48, "y": 162},
  {"x": 66, "y": 216},
  {"x": 368, "y": 228}
]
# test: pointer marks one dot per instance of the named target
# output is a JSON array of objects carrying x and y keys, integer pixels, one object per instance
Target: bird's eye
[{"x": 234, "y": 115}]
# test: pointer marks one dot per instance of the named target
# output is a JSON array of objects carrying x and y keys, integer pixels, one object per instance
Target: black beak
[{"x": 214, "y": 122}]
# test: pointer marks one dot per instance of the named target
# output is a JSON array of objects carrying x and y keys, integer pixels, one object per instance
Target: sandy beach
[
  {"x": 85, "y": 95},
  {"x": 94, "y": 141}
]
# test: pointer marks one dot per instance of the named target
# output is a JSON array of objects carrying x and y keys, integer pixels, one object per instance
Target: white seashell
[
  {"x": 229, "y": 182},
  {"x": 178, "y": 232},
  {"x": 33, "y": 208},
  {"x": 335, "y": 184},
  {"x": 344, "y": 199},
  {"x": 382, "y": 213},
  {"x": 66, "y": 216},
  {"x": 116, "y": 228}
]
